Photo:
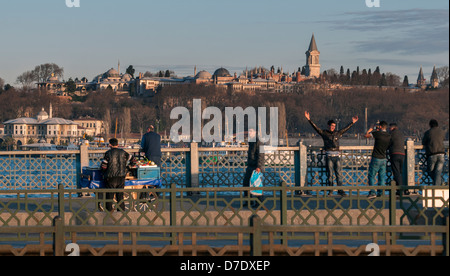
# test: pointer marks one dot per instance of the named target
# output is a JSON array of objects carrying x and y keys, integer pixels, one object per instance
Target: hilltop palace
[{"x": 256, "y": 79}]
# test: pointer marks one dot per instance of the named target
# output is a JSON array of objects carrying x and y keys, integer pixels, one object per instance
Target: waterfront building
[
  {"x": 43, "y": 128},
  {"x": 90, "y": 126}
]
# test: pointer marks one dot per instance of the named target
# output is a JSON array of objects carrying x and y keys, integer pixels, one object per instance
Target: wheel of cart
[{"x": 142, "y": 201}]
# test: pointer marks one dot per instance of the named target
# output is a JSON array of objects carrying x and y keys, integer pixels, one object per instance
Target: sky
[{"x": 399, "y": 36}]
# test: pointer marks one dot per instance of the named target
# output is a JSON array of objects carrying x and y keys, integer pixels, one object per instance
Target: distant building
[
  {"x": 312, "y": 59},
  {"x": 43, "y": 128},
  {"x": 90, "y": 126},
  {"x": 422, "y": 82},
  {"x": 434, "y": 81},
  {"x": 256, "y": 79}
]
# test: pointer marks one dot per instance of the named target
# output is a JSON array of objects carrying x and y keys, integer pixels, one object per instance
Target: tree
[
  {"x": 71, "y": 86},
  {"x": 44, "y": 71},
  {"x": 405, "y": 82},
  {"x": 26, "y": 79},
  {"x": 130, "y": 70},
  {"x": 442, "y": 73}
]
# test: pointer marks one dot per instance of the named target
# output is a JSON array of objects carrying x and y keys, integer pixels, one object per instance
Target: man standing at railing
[
  {"x": 397, "y": 154},
  {"x": 331, "y": 138},
  {"x": 379, "y": 156},
  {"x": 151, "y": 146},
  {"x": 114, "y": 165},
  {"x": 433, "y": 142}
]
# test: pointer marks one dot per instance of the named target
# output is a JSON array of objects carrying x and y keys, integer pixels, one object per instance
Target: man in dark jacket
[
  {"x": 433, "y": 142},
  {"x": 397, "y": 154},
  {"x": 255, "y": 159},
  {"x": 331, "y": 138},
  {"x": 151, "y": 146},
  {"x": 114, "y": 166}
]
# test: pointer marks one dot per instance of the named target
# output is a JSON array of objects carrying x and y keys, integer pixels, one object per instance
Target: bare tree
[
  {"x": 442, "y": 73},
  {"x": 26, "y": 79},
  {"x": 44, "y": 71}
]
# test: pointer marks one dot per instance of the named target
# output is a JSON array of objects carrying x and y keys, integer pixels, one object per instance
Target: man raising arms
[{"x": 331, "y": 138}]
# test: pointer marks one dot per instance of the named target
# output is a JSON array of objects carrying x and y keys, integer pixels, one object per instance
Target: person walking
[
  {"x": 331, "y": 138},
  {"x": 151, "y": 146},
  {"x": 433, "y": 142},
  {"x": 379, "y": 157},
  {"x": 397, "y": 156},
  {"x": 114, "y": 166},
  {"x": 255, "y": 162}
]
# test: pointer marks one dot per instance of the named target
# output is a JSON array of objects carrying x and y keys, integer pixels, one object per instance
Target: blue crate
[{"x": 146, "y": 173}]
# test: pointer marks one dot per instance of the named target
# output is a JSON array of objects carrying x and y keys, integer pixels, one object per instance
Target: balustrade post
[
  {"x": 58, "y": 237},
  {"x": 256, "y": 236},
  {"x": 82, "y": 161},
  {"x": 410, "y": 162},
  {"x": 193, "y": 168},
  {"x": 301, "y": 165}
]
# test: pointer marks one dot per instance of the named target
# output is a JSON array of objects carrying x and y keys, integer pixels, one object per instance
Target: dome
[
  {"x": 222, "y": 72},
  {"x": 126, "y": 77},
  {"x": 42, "y": 115},
  {"x": 112, "y": 73},
  {"x": 53, "y": 78},
  {"x": 203, "y": 75}
]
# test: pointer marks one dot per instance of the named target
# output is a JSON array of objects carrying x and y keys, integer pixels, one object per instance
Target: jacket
[
  {"x": 151, "y": 144},
  {"x": 114, "y": 163},
  {"x": 255, "y": 156},
  {"x": 331, "y": 139},
  {"x": 433, "y": 141},
  {"x": 397, "y": 145}
]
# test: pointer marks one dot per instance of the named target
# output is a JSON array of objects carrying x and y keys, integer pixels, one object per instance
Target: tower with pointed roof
[
  {"x": 421, "y": 82},
  {"x": 312, "y": 60},
  {"x": 434, "y": 81}
]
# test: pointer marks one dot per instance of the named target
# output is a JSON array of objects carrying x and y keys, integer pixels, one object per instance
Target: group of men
[
  {"x": 390, "y": 143},
  {"x": 387, "y": 143}
]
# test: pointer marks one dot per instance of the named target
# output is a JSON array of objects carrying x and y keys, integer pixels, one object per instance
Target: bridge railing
[{"x": 298, "y": 166}]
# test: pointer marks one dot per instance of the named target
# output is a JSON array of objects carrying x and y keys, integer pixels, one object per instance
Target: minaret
[
  {"x": 119, "y": 68},
  {"x": 312, "y": 59},
  {"x": 50, "y": 115}
]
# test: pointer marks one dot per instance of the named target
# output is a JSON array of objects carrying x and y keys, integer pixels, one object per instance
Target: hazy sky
[{"x": 399, "y": 36}]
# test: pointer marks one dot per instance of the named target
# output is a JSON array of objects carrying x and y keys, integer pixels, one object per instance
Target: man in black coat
[
  {"x": 114, "y": 166},
  {"x": 151, "y": 146}
]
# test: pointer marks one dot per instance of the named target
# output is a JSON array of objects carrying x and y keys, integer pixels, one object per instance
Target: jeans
[
  {"x": 435, "y": 167},
  {"x": 334, "y": 166},
  {"x": 377, "y": 166}
]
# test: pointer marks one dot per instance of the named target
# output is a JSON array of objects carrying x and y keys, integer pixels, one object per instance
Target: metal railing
[
  {"x": 216, "y": 222},
  {"x": 299, "y": 166},
  {"x": 201, "y": 208}
]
